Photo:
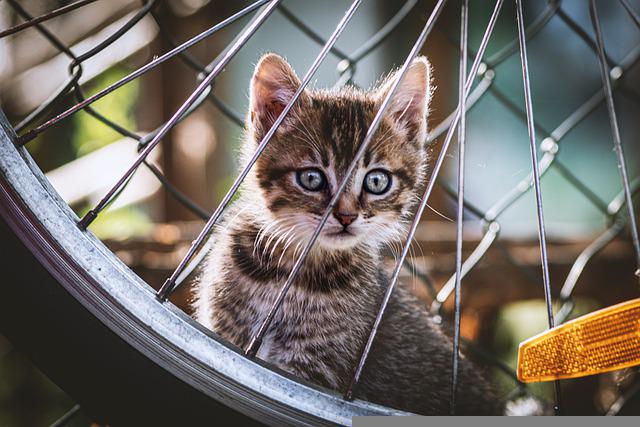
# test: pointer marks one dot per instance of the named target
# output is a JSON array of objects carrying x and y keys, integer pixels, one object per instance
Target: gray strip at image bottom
[{"x": 417, "y": 421}]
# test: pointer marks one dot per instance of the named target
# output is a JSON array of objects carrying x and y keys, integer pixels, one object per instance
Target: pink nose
[{"x": 345, "y": 218}]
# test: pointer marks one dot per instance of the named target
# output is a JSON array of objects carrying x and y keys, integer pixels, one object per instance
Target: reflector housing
[{"x": 601, "y": 341}]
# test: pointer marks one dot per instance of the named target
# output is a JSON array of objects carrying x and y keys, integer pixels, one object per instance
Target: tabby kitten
[{"x": 327, "y": 315}]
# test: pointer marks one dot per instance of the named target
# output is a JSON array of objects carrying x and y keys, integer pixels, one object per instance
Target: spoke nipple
[
  {"x": 22, "y": 140},
  {"x": 348, "y": 395},
  {"x": 253, "y": 347},
  {"x": 165, "y": 290},
  {"x": 87, "y": 219}
]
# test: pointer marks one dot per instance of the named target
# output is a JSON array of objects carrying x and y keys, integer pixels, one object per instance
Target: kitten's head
[{"x": 303, "y": 164}]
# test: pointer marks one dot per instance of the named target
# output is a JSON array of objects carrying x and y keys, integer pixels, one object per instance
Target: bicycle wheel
[{"x": 129, "y": 357}]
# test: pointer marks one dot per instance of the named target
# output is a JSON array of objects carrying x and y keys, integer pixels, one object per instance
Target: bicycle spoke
[
  {"x": 615, "y": 131},
  {"x": 462, "y": 102},
  {"x": 42, "y": 18},
  {"x": 536, "y": 183}
]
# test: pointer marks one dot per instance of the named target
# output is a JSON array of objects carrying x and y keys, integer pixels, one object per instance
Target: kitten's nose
[{"x": 345, "y": 218}]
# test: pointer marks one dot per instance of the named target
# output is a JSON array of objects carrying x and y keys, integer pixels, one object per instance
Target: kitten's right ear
[
  {"x": 409, "y": 106},
  {"x": 273, "y": 85}
]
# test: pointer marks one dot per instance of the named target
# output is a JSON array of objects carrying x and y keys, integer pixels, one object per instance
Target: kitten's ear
[
  {"x": 410, "y": 104},
  {"x": 273, "y": 84}
]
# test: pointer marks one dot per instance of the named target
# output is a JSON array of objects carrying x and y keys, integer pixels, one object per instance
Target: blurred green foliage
[
  {"x": 119, "y": 106},
  {"x": 121, "y": 224}
]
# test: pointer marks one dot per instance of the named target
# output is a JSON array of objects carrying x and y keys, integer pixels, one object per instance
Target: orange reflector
[{"x": 602, "y": 341}]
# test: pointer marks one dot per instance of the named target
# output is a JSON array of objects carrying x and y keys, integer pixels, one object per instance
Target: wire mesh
[{"x": 483, "y": 69}]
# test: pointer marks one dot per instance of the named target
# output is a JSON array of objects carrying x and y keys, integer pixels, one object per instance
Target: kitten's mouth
[
  {"x": 339, "y": 238},
  {"x": 341, "y": 234}
]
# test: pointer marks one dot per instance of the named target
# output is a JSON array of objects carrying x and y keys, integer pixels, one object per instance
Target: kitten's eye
[
  {"x": 377, "y": 182},
  {"x": 311, "y": 179}
]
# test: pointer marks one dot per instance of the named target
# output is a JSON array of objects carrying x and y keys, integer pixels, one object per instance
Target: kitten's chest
[{"x": 306, "y": 324}]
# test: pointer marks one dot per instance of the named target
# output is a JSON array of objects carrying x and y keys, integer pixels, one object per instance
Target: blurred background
[{"x": 150, "y": 230}]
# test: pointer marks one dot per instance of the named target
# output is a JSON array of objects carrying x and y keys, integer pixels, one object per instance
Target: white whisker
[
  {"x": 280, "y": 239},
  {"x": 439, "y": 214}
]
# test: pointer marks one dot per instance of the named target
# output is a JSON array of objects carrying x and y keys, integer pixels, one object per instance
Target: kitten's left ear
[{"x": 410, "y": 104}]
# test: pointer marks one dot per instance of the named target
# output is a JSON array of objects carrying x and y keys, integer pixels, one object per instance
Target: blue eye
[
  {"x": 311, "y": 179},
  {"x": 377, "y": 182}
]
